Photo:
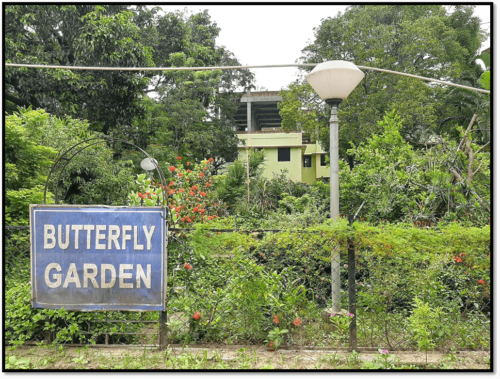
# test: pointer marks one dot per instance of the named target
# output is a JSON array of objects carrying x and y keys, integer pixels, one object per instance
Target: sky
[{"x": 275, "y": 34}]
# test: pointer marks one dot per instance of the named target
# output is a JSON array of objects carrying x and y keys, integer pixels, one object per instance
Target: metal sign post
[{"x": 90, "y": 258}]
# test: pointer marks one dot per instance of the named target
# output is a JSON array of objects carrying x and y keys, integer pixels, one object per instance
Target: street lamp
[
  {"x": 149, "y": 164},
  {"x": 333, "y": 81}
]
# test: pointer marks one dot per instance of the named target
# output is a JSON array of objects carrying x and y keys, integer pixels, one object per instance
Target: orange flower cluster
[
  {"x": 297, "y": 322},
  {"x": 197, "y": 315},
  {"x": 276, "y": 320}
]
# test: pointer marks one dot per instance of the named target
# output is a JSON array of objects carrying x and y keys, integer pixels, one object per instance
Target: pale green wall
[
  {"x": 270, "y": 142},
  {"x": 308, "y": 173},
  {"x": 272, "y": 165}
]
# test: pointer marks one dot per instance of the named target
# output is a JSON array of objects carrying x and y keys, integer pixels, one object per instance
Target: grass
[{"x": 248, "y": 358}]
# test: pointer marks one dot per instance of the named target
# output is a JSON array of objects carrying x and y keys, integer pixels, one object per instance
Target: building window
[
  {"x": 307, "y": 161},
  {"x": 323, "y": 159},
  {"x": 283, "y": 154}
]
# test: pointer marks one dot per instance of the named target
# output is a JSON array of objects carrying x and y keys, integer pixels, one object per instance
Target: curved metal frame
[{"x": 102, "y": 139}]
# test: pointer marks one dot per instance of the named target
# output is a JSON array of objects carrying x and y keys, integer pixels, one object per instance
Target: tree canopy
[{"x": 425, "y": 40}]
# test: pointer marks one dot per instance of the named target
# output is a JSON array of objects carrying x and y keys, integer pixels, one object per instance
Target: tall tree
[
  {"x": 76, "y": 35},
  {"x": 194, "y": 112},
  {"x": 422, "y": 39}
]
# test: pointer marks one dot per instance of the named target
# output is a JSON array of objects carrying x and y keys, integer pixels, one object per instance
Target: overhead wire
[{"x": 99, "y": 68}]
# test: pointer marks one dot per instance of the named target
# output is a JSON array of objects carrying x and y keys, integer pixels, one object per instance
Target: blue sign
[{"x": 98, "y": 257}]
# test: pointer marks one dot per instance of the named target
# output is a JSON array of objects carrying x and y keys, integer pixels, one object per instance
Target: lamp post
[{"x": 333, "y": 81}]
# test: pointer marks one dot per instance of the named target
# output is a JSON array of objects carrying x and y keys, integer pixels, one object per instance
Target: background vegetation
[{"x": 410, "y": 153}]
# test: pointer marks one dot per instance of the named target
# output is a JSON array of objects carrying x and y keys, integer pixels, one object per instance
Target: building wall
[
  {"x": 270, "y": 142},
  {"x": 309, "y": 173}
]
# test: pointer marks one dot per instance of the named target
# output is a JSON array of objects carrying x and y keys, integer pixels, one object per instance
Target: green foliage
[
  {"x": 19, "y": 202},
  {"x": 232, "y": 187},
  {"x": 384, "y": 36},
  {"x": 27, "y": 161},
  {"x": 276, "y": 337},
  {"x": 33, "y": 141},
  {"x": 24, "y": 323},
  {"x": 76, "y": 35},
  {"x": 400, "y": 182},
  {"x": 238, "y": 280},
  {"x": 424, "y": 321},
  {"x": 13, "y": 363},
  {"x": 381, "y": 361}
]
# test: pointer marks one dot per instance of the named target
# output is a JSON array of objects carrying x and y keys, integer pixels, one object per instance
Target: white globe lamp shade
[
  {"x": 149, "y": 164},
  {"x": 335, "y": 79}
]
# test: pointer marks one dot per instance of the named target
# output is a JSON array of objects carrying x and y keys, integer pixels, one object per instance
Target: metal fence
[{"x": 225, "y": 286}]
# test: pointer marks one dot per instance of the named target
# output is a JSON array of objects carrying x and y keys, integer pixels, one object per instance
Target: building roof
[{"x": 264, "y": 109}]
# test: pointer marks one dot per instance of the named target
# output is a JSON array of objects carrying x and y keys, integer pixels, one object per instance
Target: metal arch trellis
[
  {"x": 67, "y": 156},
  {"x": 102, "y": 139}
]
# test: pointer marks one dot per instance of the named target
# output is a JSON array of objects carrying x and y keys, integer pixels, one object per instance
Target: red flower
[
  {"x": 208, "y": 185},
  {"x": 195, "y": 187},
  {"x": 210, "y": 159},
  {"x": 203, "y": 194},
  {"x": 201, "y": 174},
  {"x": 172, "y": 168},
  {"x": 480, "y": 281},
  {"x": 195, "y": 209},
  {"x": 209, "y": 217},
  {"x": 297, "y": 322},
  {"x": 196, "y": 316},
  {"x": 180, "y": 174},
  {"x": 170, "y": 184},
  {"x": 271, "y": 344},
  {"x": 362, "y": 219},
  {"x": 178, "y": 158},
  {"x": 215, "y": 204},
  {"x": 177, "y": 209},
  {"x": 275, "y": 319},
  {"x": 187, "y": 266},
  {"x": 191, "y": 193},
  {"x": 170, "y": 192},
  {"x": 188, "y": 163},
  {"x": 139, "y": 194},
  {"x": 182, "y": 190},
  {"x": 189, "y": 171},
  {"x": 202, "y": 210}
]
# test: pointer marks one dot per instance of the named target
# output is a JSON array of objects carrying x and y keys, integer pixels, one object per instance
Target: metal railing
[{"x": 237, "y": 280}]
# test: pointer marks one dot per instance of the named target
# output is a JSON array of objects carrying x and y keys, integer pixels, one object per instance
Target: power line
[{"x": 233, "y": 68}]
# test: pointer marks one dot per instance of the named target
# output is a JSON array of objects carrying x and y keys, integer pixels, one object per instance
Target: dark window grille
[
  {"x": 307, "y": 161},
  {"x": 323, "y": 159},
  {"x": 283, "y": 154}
]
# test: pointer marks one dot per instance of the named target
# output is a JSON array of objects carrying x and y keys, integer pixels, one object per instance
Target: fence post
[
  {"x": 351, "y": 274},
  {"x": 163, "y": 330}
]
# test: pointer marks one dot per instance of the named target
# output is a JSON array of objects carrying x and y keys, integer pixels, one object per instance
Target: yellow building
[{"x": 259, "y": 128}]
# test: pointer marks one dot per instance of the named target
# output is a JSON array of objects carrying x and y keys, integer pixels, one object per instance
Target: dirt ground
[{"x": 231, "y": 357}]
